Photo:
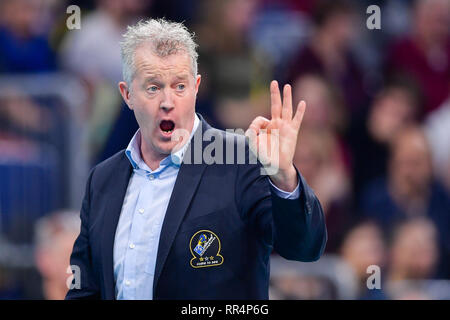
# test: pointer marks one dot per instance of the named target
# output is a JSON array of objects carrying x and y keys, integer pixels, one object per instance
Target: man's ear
[
  {"x": 197, "y": 83},
  {"x": 125, "y": 92}
]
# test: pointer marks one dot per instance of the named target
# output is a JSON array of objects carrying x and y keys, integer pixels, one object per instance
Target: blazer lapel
[
  {"x": 185, "y": 187},
  {"x": 121, "y": 176}
]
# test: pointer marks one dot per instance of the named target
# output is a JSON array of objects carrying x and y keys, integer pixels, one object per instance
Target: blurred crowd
[{"x": 374, "y": 143}]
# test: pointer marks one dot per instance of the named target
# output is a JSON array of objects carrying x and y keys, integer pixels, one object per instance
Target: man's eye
[
  {"x": 152, "y": 89},
  {"x": 181, "y": 87}
]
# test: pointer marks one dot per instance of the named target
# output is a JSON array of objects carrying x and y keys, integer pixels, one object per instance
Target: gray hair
[{"x": 166, "y": 38}]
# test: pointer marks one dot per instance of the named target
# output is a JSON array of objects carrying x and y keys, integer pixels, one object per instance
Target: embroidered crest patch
[{"x": 205, "y": 248}]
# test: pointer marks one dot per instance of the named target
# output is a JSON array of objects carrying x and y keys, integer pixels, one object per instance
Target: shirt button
[
  {"x": 128, "y": 282},
  {"x": 132, "y": 245},
  {"x": 141, "y": 210},
  {"x": 151, "y": 177}
]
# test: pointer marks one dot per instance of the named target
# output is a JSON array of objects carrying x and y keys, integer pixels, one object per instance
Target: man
[{"x": 157, "y": 224}]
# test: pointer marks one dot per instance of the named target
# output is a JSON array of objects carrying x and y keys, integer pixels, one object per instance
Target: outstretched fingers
[
  {"x": 286, "y": 112},
  {"x": 275, "y": 100},
  {"x": 298, "y": 117}
]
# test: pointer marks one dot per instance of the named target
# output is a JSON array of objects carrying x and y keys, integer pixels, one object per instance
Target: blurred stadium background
[{"x": 374, "y": 144}]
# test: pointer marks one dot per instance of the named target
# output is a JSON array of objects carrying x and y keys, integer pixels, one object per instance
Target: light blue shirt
[{"x": 141, "y": 218}]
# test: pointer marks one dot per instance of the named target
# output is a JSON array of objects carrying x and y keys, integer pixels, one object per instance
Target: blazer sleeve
[
  {"x": 81, "y": 254},
  {"x": 295, "y": 228}
]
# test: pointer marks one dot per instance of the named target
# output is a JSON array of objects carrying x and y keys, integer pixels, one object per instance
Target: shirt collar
[{"x": 133, "y": 151}]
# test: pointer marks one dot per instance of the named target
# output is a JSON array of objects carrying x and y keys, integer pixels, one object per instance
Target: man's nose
[{"x": 167, "y": 101}]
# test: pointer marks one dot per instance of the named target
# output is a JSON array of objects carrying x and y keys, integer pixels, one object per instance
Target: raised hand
[{"x": 274, "y": 141}]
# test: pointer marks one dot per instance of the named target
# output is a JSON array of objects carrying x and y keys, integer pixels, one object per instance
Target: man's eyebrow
[
  {"x": 182, "y": 77},
  {"x": 154, "y": 78}
]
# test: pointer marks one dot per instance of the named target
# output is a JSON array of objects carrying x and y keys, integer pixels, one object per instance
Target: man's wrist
[{"x": 286, "y": 180}]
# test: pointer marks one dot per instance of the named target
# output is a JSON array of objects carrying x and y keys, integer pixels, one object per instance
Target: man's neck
[{"x": 150, "y": 157}]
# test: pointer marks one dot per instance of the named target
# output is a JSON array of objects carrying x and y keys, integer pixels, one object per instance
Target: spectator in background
[
  {"x": 319, "y": 158},
  {"x": 20, "y": 115},
  {"x": 414, "y": 251},
  {"x": 26, "y": 157},
  {"x": 410, "y": 190},
  {"x": 329, "y": 52},
  {"x": 304, "y": 5},
  {"x": 326, "y": 106},
  {"x": 361, "y": 247},
  {"x": 395, "y": 107},
  {"x": 237, "y": 73},
  {"x": 414, "y": 257},
  {"x": 425, "y": 54},
  {"x": 22, "y": 49},
  {"x": 93, "y": 53},
  {"x": 55, "y": 235}
]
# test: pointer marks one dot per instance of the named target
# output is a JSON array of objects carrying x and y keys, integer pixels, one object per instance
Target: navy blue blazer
[{"x": 220, "y": 227}]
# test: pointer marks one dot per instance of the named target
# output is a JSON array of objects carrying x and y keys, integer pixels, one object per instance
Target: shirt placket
[{"x": 131, "y": 253}]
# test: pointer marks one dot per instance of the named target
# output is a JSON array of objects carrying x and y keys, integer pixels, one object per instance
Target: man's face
[{"x": 162, "y": 96}]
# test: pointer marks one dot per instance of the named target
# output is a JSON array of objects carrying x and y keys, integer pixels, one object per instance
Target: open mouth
[{"x": 167, "y": 126}]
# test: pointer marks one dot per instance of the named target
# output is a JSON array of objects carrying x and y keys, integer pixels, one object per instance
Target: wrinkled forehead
[{"x": 148, "y": 63}]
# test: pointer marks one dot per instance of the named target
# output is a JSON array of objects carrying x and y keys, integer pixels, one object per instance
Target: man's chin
[{"x": 166, "y": 148}]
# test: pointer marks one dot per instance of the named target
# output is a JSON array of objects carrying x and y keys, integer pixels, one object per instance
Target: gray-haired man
[{"x": 155, "y": 226}]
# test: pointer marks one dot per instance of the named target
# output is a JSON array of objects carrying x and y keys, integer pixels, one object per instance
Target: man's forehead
[
  {"x": 177, "y": 64},
  {"x": 151, "y": 76}
]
